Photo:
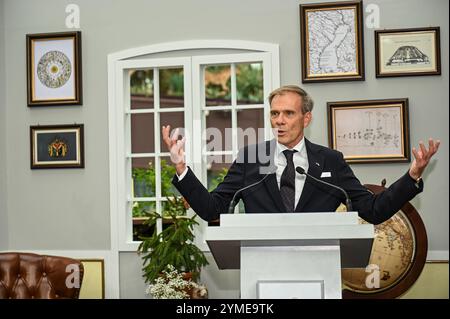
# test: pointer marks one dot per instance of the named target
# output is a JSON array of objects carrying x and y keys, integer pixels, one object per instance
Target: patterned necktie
[{"x": 287, "y": 182}]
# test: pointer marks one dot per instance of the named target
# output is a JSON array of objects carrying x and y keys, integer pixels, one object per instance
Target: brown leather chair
[{"x": 28, "y": 276}]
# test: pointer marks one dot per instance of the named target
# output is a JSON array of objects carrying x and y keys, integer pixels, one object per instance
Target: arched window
[{"x": 218, "y": 87}]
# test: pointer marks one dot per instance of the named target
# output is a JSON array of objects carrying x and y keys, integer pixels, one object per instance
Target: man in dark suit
[{"x": 284, "y": 190}]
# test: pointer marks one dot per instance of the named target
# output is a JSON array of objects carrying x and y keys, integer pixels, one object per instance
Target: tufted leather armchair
[{"x": 28, "y": 276}]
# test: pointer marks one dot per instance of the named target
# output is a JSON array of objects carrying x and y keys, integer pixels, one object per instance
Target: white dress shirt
[{"x": 300, "y": 158}]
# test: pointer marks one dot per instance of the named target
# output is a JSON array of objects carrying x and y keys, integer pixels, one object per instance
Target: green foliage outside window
[
  {"x": 141, "y": 82},
  {"x": 249, "y": 83},
  {"x": 217, "y": 178},
  {"x": 171, "y": 82},
  {"x": 144, "y": 182}
]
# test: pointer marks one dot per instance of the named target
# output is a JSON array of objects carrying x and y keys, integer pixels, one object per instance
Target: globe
[
  {"x": 398, "y": 256},
  {"x": 392, "y": 255}
]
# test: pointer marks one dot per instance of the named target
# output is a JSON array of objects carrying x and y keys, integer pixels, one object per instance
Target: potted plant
[
  {"x": 172, "y": 284},
  {"x": 173, "y": 246}
]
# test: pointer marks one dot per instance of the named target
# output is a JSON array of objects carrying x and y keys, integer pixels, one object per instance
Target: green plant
[
  {"x": 217, "y": 179},
  {"x": 144, "y": 183},
  {"x": 173, "y": 245}
]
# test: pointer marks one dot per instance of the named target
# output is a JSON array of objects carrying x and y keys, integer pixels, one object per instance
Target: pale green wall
[
  {"x": 3, "y": 197},
  {"x": 431, "y": 284},
  {"x": 61, "y": 208},
  {"x": 69, "y": 209}
]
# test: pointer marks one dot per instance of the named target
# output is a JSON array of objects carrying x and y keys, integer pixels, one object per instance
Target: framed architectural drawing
[
  {"x": 332, "y": 41},
  {"x": 371, "y": 131},
  {"x": 407, "y": 52},
  {"x": 57, "y": 146},
  {"x": 54, "y": 69}
]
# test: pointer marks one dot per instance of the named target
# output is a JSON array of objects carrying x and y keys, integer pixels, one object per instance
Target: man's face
[{"x": 286, "y": 116}]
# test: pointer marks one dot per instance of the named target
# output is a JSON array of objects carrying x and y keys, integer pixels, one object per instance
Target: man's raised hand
[
  {"x": 422, "y": 157},
  {"x": 176, "y": 148}
]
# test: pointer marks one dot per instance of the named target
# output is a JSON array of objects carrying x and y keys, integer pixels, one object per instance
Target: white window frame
[
  {"x": 199, "y": 63},
  {"x": 198, "y": 86},
  {"x": 118, "y": 97},
  {"x": 123, "y": 68}
]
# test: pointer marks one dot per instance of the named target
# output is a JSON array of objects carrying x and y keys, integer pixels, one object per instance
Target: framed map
[
  {"x": 370, "y": 131},
  {"x": 332, "y": 42},
  {"x": 57, "y": 146},
  {"x": 54, "y": 69},
  {"x": 407, "y": 52}
]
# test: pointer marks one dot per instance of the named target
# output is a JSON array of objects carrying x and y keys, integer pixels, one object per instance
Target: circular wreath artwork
[
  {"x": 54, "y": 69},
  {"x": 399, "y": 251}
]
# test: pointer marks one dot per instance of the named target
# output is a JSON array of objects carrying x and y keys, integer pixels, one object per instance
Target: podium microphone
[
  {"x": 348, "y": 202},
  {"x": 239, "y": 191}
]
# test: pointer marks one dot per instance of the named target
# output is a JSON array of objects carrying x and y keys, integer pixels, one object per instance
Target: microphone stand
[{"x": 348, "y": 202}]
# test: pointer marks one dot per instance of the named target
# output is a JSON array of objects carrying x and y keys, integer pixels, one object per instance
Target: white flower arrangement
[{"x": 172, "y": 285}]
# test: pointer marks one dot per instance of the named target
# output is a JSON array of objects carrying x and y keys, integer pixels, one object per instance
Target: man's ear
[{"x": 307, "y": 118}]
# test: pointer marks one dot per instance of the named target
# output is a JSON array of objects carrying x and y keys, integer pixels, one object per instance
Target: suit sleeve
[
  {"x": 209, "y": 205},
  {"x": 376, "y": 209}
]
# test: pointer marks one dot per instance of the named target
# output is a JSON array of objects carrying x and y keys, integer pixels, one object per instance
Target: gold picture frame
[
  {"x": 340, "y": 59},
  {"x": 54, "y": 69},
  {"x": 371, "y": 131},
  {"x": 93, "y": 285},
  {"x": 407, "y": 52}
]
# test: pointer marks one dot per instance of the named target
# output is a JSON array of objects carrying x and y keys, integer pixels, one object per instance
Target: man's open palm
[{"x": 175, "y": 146}]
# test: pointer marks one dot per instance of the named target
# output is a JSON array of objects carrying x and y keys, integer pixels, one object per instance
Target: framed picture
[
  {"x": 407, "y": 52},
  {"x": 57, "y": 146},
  {"x": 54, "y": 69},
  {"x": 370, "y": 131},
  {"x": 332, "y": 41},
  {"x": 93, "y": 285}
]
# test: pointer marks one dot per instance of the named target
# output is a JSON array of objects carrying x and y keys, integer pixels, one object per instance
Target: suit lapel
[
  {"x": 315, "y": 162},
  {"x": 273, "y": 190}
]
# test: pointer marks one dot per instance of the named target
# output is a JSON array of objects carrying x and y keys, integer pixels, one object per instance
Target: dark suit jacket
[{"x": 265, "y": 197}]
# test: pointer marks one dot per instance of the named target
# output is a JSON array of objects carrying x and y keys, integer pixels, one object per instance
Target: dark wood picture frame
[
  {"x": 339, "y": 67},
  {"x": 407, "y": 52},
  {"x": 370, "y": 131},
  {"x": 54, "y": 74},
  {"x": 57, "y": 146}
]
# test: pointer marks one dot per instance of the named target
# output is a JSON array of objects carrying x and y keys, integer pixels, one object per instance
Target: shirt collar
[{"x": 299, "y": 147}]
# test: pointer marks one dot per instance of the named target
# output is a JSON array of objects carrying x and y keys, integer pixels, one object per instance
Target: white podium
[{"x": 291, "y": 255}]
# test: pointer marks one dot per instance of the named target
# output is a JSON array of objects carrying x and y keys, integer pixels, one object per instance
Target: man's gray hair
[{"x": 307, "y": 101}]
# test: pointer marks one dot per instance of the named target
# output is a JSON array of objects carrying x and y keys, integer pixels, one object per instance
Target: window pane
[
  {"x": 142, "y": 133},
  {"x": 144, "y": 185},
  {"x": 218, "y": 130},
  {"x": 250, "y": 126},
  {"x": 171, "y": 87},
  {"x": 139, "y": 229},
  {"x": 140, "y": 209},
  {"x": 167, "y": 173},
  {"x": 218, "y": 85},
  {"x": 175, "y": 120},
  {"x": 141, "y": 89},
  {"x": 143, "y": 175},
  {"x": 249, "y": 83},
  {"x": 216, "y": 172}
]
